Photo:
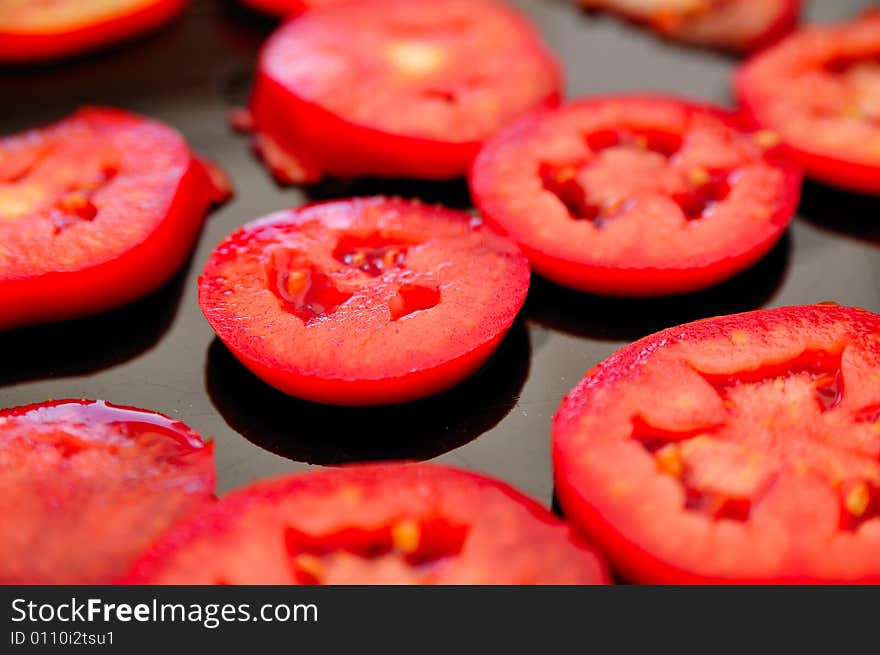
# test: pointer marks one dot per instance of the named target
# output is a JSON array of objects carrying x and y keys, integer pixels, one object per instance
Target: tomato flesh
[
  {"x": 743, "y": 448},
  {"x": 86, "y": 486},
  {"x": 820, "y": 90},
  {"x": 636, "y": 196},
  {"x": 395, "y": 88},
  {"x": 736, "y": 25},
  {"x": 36, "y": 30},
  {"x": 96, "y": 211},
  {"x": 365, "y": 301},
  {"x": 372, "y": 524}
]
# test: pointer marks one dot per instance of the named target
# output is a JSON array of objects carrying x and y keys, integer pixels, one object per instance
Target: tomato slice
[
  {"x": 96, "y": 211},
  {"x": 636, "y": 196},
  {"x": 365, "y": 301},
  {"x": 744, "y": 448},
  {"x": 820, "y": 90},
  {"x": 372, "y": 524},
  {"x": 35, "y": 30},
  {"x": 736, "y": 25},
  {"x": 86, "y": 486},
  {"x": 395, "y": 88},
  {"x": 291, "y": 7}
]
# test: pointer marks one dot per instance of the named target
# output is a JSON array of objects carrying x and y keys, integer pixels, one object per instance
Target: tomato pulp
[
  {"x": 35, "y": 30},
  {"x": 395, "y": 88},
  {"x": 820, "y": 90},
  {"x": 736, "y": 25},
  {"x": 372, "y": 524},
  {"x": 365, "y": 301},
  {"x": 739, "y": 449},
  {"x": 86, "y": 486},
  {"x": 636, "y": 196},
  {"x": 96, "y": 211}
]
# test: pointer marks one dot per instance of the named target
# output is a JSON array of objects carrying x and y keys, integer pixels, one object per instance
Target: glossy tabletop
[{"x": 160, "y": 353}]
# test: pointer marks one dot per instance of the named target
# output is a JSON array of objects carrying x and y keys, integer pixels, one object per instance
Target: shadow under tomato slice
[
  {"x": 372, "y": 524},
  {"x": 628, "y": 319},
  {"x": 96, "y": 210},
  {"x": 87, "y": 486},
  {"x": 55, "y": 350},
  {"x": 369, "y": 301},
  {"x": 37, "y": 31},
  {"x": 329, "y": 435},
  {"x": 637, "y": 196},
  {"x": 741, "y": 449},
  {"x": 821, "y": 206},
  {"x": 394, "y": 88}
]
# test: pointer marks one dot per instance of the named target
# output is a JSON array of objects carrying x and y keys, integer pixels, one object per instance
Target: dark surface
[{"x": 160, "y": 353}]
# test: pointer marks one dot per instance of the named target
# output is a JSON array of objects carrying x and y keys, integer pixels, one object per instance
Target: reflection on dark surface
[
  {"x": 837, "y": 211},
  {"x": 627, "y": 319},
  {"x": 452, "y": 193},
  {"x": 323, "y": 434},
  {"x": 89, "y": 344}
]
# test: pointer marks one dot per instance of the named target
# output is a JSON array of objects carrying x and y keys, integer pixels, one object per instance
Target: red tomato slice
[
  {"x": 86, "y": 486},
  {"x": 373, "y": 524},
  {"x": 744, "y": 448},
  {"x": 34, "y": 30},
  {"x": 636, "y": 196},
  {"x": 291, "y": 7},
  {"x": 820, "y": 90},
  {"x": 395, "y": 88},
  {"x": 96, "y": 211},
  {"x": 367, "y": 301},
  {"x": 736, "y": 25}
]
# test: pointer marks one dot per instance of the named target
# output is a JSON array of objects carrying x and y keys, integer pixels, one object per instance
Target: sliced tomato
[
  {"x": 366, "y": 301},
  {"x": 291, "y": 7},
  {"x": 744, "y": 448},
  {"x": 35, "y": 30},
  {"x": 86, "y": 486},
  {"x": 372, "y": 524},
  {"x": 96, "y": 211},
  {"x": 820, "y": 90},
  {"x": 395, "y": 88},
  {"x": 636, "y": 196},
  {"x": 736, "y": 25}
]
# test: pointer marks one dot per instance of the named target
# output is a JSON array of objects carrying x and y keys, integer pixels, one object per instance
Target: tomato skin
[
  {"x": 62, "y": 294},
  {"x": 643, "y": 282},
  {"x": 682, "y": 272},
  {"x": 290, "y": 7},
  {"x": 694, "y": 30},
  {"x": 480, "y": 530},
  {"x": 362, "y": 393},
  {"x": 692, "y": 552},
  {"x": 809, "y": 49},
  {"x": 302, "y": 140},
  {"x": 16, "y": 48},
  {"x": 355, "y": 377},
  {"x": 322, "y": 143},
  {"x": 277, "y": 7},
  {"x": 88, "y": 485},
  {"x": 786, "y": 23}
]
